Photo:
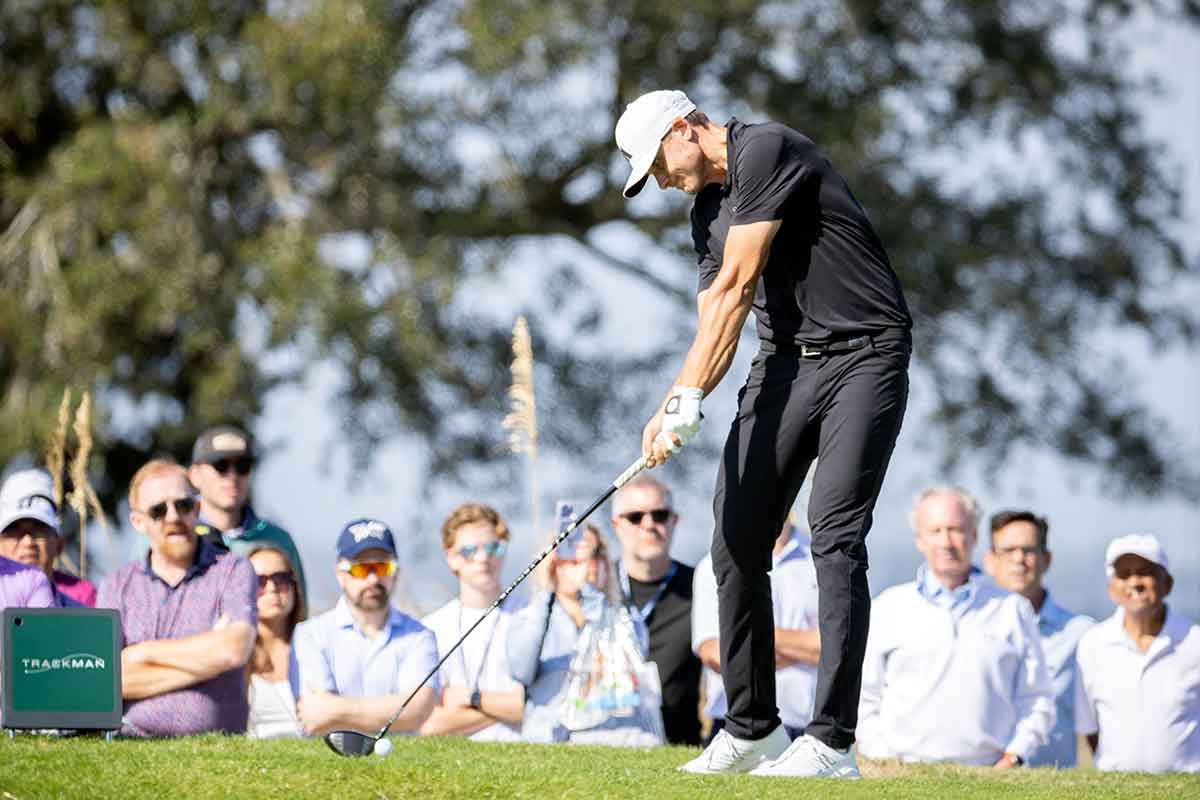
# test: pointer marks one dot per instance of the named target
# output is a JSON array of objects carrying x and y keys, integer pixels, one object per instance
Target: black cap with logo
[{"x": 223, "y": 441}]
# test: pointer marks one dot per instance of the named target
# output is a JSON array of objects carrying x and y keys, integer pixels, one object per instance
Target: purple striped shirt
[
  {"x": 217, "y": 583},
  {"x": 23, "y": 586}
]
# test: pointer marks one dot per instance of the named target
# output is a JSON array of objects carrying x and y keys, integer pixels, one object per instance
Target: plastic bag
[{"x": 608, "y": 678}]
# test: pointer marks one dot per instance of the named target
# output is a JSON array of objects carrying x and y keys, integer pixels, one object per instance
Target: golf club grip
[{"x": 622, "y": 479}]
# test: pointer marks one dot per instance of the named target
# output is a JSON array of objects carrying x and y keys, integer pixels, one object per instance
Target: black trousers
[{"x": 845, "y": 410}]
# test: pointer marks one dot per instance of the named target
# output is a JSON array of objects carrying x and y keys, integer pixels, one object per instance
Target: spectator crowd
[{"x": 971, "y": 662}]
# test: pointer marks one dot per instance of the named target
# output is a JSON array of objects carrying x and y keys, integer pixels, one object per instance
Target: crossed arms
[{"x": 158, "y": 666}]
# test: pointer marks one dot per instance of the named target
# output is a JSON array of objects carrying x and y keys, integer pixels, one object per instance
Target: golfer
[{"x": 777, "y": 231}]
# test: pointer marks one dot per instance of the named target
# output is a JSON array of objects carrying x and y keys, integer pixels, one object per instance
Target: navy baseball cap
[{"x": 364, "y": 534}]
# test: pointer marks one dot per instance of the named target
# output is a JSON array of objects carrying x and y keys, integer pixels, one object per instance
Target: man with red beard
[
  {"x": 358, "y": 662},
  {"x": 188, "y": 616}
]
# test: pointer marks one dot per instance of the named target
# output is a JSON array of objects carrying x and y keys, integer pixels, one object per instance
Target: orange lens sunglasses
[{"x": 361, "y": 569}]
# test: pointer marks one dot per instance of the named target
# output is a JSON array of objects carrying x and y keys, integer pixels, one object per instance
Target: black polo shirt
[
  {"x": 828, "y": 276},
  {"x": 670, "y": 628}
]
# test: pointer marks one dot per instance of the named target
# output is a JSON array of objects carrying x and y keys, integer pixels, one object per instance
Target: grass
[{"x": 213, "y": 766}]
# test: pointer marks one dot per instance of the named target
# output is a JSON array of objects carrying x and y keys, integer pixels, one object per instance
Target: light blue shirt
[
  {"x": 542, "y": 662},
  {"x": 956, "y": 600},
  {"x": 330, "y": 652},
  {"x": 794, "y": 595},
  {"x": 1060, "y": 631}
]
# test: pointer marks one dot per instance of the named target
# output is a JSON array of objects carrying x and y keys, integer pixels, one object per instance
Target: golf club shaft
[{"x": 622, "y": 479}]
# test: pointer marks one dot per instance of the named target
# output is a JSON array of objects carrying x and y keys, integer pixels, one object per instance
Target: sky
[{"x": 306, "y": 483}]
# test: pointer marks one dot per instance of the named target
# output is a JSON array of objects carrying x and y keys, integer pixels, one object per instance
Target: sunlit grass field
[{"x": 38, "y": 767}]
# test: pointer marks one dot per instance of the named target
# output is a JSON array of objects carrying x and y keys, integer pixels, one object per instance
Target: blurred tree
[{"x": 201, "y": 200}]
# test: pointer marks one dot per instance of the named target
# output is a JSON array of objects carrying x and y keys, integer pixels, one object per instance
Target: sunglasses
[
  {"x": 491, "y": 550},
  {"x": 282, "y": 581},
  {"x": 659, "y": 515},
  {"x": 241, "y": 466},
  {"x": 183, "y": 507},
  {"x": 361, "y": 569}
]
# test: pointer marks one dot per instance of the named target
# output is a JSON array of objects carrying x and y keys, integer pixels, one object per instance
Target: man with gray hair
[
  {"x": 658, "y": 590},
  {"x": 954, "y": 669}
]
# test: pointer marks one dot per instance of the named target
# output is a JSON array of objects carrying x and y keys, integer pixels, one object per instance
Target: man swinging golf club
[{"x": 777, "y": 231}]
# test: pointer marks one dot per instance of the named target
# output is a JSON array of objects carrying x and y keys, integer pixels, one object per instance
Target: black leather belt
[{"x": 843, "y": 346}]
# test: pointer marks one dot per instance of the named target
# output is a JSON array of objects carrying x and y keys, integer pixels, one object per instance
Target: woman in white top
[{"x": 280, "y": 608}]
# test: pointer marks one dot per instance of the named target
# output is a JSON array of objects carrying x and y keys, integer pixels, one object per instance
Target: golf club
[{"x": 354, "y": 743}]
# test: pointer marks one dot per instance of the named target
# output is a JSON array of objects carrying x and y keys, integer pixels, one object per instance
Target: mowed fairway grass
[{"x": 36, "y": 767}]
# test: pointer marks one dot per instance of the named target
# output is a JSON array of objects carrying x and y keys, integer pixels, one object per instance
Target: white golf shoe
[
  {"x": 728, "y": 754},
  {"x": 811, "y": 758}
]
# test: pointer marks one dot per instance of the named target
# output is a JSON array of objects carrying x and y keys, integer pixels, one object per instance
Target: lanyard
[
  {"x": 645, "y": 611},
  {"x": 462, "y": 651}
]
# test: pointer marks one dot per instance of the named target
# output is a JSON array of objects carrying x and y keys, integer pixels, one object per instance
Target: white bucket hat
[{"x": 641, "y": 129}]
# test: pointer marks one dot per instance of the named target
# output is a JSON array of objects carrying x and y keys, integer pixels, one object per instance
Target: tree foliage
[{"x": 201, "y": 200}]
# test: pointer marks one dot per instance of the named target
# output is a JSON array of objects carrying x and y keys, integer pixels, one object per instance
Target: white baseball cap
[
  {"x": 641, "y": 129},
  {"x": 28, "y": 494},
  {"x": 1145, "y": 545}
]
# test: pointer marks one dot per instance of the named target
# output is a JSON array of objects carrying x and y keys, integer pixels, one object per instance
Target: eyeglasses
[
  {"x": 494, "y": 549},
  {"x": 659, "y": 515},
  {"x": 241, "y": 466},
  {"x": 1025, "y": 552},
  {"x": 183, "y": 507},
  {"x": 361, "y": 569},
  {"x": 282, "y": 580}
]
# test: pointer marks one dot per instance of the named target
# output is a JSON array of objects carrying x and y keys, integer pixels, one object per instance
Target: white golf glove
[{"x": 681, "y": 416}]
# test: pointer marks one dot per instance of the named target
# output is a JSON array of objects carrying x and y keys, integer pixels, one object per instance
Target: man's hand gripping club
[{"x": 676, "y": 423}]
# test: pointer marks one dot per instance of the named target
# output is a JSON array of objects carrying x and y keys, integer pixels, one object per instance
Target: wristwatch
[{"x": 476, "y": 700}]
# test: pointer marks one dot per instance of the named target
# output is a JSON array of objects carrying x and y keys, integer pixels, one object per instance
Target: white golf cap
[
  {"x": 642, "y": 127},
  {"x": 28, "y": 494},
  {"x": 1138, "y": 544}
]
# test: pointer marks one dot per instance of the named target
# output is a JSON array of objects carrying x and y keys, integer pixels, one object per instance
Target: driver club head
[{"x": 350, "y": 743}]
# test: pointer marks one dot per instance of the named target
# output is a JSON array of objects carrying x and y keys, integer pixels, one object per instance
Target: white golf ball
[{"x": 383, "y": 748}]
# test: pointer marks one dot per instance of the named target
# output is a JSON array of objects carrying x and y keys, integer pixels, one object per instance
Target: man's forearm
[
  {"x": 725, "y": 304},
  {"x": 455, "y": 721},
  {"x": 794, "y": 646},
  {"x": 462, "y": 720},
  {"x": 140, "y": 680},
  {"x": 204, "y": 655},
  {"x": 370, "y": 713},
  {"x": 503, "y": 706},
  {"x": 723, "y": 312}
]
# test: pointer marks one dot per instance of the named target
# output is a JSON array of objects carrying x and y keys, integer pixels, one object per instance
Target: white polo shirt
[
  {"x": 1145, "y": 706},
  {"x": 953, "y": 676},
  {"x": 794, "y": 599},
  {"x": 481, "y": 662}
]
